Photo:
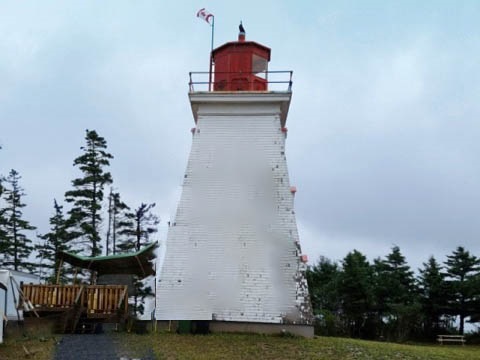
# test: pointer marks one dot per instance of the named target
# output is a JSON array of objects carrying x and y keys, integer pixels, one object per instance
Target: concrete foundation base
[
  {"x": 246, "y": 327},
  {"x": 261, "y": 328}
]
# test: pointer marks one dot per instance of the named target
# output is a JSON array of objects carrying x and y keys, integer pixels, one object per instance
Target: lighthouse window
[{"x": 259, "y": 66}]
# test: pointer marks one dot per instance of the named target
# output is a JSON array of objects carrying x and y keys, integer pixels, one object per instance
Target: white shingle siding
[{"x": 232, "y": 251}]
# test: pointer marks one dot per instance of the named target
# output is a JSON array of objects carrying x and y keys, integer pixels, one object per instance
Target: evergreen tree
[
  {"x": 3, "y": 223},
  {"x": 85, "y": 215},
  {"x": 54, "y": 241},
  {"x": 433, "y": 296},
  {"x": 356, "y": 292},
  {"x": 396, "y": 295},
  {"x": 462, "y": 273},
  {"x": 401, "y": 277},
  {"x": 118, "y": 223},
  {"x": 323, "y": 280},
  {"x": 16, "y": 246},
  {"x": 139, "y": 226}
]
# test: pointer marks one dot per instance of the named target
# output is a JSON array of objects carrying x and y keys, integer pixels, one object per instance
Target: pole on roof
[
  {"x": 210, "y": 87},
  {"x": 14, "y": 298},
  {"x": 59, "y": 270},
  {"x": 26, "y": 301},
  {"x": 141, "y": 266},
  {"x": 75, "y": 275},
  {"x": 155, "y": 303},
  {"x": 5, "y": 308},
  {"x": 93, "y": 274}
]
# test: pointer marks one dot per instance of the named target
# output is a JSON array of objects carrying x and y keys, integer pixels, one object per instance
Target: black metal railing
[{"x": 240, "y": 81}]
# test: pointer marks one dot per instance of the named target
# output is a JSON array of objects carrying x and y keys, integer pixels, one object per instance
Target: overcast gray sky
[{"x": 383, "y": 126}]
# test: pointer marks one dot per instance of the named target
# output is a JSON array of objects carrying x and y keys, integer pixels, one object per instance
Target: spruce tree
[
  {"x": 85, "y": 215},
  {"x": 402, "y": 286},
  {"x": 54, "y": 241},
  {"x": 140, "y": 225},
  {"x": 462, "y": 271},
  {"x": 118, "y": 223},
  {"x": 397, "y": 295},
  {"x": 433, "y": 296},
  {"x": 323, "y": 281},
  {"x": 17, "y": 247},
  {"x": 356, "y": 292},
  {"x": 3, "y": 222}
]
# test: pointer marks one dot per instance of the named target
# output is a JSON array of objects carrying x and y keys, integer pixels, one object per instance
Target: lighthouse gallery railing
[{"x": 274, "y": 80}]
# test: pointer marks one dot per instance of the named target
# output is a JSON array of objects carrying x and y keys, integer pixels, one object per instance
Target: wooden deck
[{"x": 97, "y": 301}]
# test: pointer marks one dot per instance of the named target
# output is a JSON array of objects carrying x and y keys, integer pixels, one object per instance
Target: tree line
[
  {"x": 386, "y": 300},
  {"x": 78, "y": 224}
]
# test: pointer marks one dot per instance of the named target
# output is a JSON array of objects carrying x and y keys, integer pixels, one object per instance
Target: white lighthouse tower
[{"x": 233, "y": 255}]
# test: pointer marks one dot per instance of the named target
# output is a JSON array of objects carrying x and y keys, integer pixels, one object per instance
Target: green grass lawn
[
  {"x": 249, "y": 346},
  {"x": 27, "y": 347},
  {"x": 34, "y": 341}
]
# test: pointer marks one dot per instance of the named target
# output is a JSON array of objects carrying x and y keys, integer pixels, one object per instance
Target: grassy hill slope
[
  {"x": 247, "y": 346},
  {"x": 250, "y": 346}
]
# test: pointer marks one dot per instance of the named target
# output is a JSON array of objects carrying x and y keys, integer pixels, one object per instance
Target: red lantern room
[{"x": 241, "y": 65}]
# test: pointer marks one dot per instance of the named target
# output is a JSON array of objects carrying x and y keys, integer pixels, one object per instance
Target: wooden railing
[
  {"x": 98, "y": 300},
  {"x": 51, "y": 296},
  {"x": 106, "y": 299}
]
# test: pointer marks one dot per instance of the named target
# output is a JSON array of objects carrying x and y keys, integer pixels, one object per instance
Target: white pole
[{"x": 210, "y": 87}]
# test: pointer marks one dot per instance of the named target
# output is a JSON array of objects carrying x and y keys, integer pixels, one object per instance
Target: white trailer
[{"x": 10, "y": 281}]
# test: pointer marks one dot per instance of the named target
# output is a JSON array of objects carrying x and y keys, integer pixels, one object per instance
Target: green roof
[{"x": 137, "y": 263}]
